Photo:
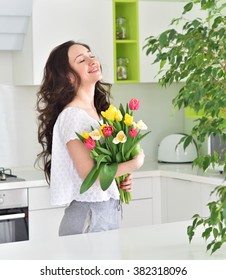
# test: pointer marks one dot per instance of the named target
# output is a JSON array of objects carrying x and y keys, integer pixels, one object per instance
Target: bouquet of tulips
[{"x": 116, "y": 141}]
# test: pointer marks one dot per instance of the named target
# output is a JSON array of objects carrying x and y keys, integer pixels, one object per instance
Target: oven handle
[{"x": 12, "y": 216}]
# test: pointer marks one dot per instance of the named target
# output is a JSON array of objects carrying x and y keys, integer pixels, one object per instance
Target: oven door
[{"x": 14, "y": 225}]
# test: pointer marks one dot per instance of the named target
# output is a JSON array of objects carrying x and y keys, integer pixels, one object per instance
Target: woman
[{"x": 70, "y": 100}]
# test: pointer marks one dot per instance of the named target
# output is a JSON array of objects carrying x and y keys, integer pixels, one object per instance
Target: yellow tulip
[
  {"x": 85, "y": 135},
  {"x": 118, "y": 115},
  {"x": 109, "y": 114},
  {"x": 101, "y": 130},
  {"x": 128, "y": 120},
  {"x": 120, "y": 138}
]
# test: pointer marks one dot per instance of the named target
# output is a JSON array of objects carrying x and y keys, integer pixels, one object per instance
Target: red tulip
[
  {"x": 134, "y": 104},
  {"x": 107, "y": 130},
  {"x": 133, "y": 132},
  {"x": 90, "y": 143}
]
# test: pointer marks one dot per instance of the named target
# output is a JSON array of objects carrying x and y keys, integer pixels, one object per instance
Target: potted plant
[{"x": 197, "y": 57}]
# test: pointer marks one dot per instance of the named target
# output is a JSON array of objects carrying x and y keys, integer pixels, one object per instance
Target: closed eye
[{"x": 82, "y": 61}]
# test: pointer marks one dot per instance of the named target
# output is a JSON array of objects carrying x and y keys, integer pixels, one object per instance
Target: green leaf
[
  {"x": 90, "y": 179},
  {"x": 127, "y": 155},
  {"x": 188, "y": 7},
  {"x": 206, "y": 233},
  {"x": 215, "y": 233},
  {"x": 102, "y": 158},
  {"x": 187, "y": 141},
  {"x": 121, "y": 108},
  {"x": 162, "y": 63},
  {"x": 190, "y": 232},
  {"x": 163, "y": 40},
  {"x": 119, "y": 157},
  {"x": 216, "y": 246},
  {"x": 103, "y": 150},
  {"x": 80, "y": 136},
  {"x": 107, "y": 174},
  {"x": 117, "y": 125}
]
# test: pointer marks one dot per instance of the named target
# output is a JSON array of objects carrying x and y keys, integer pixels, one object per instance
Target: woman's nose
[{"x": 92, "y": 61}]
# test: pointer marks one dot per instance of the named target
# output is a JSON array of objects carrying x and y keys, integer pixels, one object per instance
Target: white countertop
[
  {"x": 154, "y": 242},
  {"x": 35, "y": 177}
]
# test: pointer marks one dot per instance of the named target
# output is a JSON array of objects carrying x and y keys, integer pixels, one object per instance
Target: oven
[{"x": 14, "y": 222}]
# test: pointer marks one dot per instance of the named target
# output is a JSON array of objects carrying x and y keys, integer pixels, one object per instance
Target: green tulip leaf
[
  {"x": 90, "y": 179},
  {"x": 107, "y": 174}
]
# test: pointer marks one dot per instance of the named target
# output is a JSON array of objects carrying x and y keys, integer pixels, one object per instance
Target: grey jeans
[{"x": 83, "y": 217}]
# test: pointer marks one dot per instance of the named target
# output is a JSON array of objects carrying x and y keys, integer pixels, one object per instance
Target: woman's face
[{"x": 84, "y": 63}]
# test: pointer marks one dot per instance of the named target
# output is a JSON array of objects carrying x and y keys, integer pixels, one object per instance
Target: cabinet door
[
  {"x": 140, "y": 210},
  {"x": 181, "y": 199},
  {"x": 44, "y": 224},
  {"x": 154, "y": 18},
  {"x": 56, "y": 21},
  {"x": 39, "y": 198},
  {"x": 137, "y": 213}
]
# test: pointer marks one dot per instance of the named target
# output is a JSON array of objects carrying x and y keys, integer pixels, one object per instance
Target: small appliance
[{"x": 169, "y": 151}]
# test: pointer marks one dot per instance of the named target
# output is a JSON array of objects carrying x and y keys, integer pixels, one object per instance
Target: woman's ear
[{"x": 71, "y": 78}]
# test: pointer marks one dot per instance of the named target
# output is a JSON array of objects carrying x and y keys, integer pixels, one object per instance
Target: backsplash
[{"x": 18, "y": 136}]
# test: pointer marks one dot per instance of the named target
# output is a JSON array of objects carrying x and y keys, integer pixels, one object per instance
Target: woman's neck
[{"x": 84, "y": 98}]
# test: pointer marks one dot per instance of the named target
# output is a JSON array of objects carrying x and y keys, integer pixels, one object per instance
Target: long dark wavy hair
[{"x": 55, "y": 92}]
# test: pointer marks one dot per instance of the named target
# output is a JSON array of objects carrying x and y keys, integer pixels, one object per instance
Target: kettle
[{"x": 169, "y": 151}]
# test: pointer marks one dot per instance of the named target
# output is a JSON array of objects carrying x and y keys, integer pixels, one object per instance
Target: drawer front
[
  {"x": 39, "y": 198},
  {"x": 142, "y": 188},
  {"x": 137, "y": 213}
]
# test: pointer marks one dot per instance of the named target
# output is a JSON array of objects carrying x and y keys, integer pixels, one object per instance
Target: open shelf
[{"x": 128, "y": 47}]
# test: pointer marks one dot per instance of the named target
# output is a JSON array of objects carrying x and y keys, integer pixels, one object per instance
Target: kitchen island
[
  {"x": 154, "y": 225},
  {"x": 155, "y": 242}
]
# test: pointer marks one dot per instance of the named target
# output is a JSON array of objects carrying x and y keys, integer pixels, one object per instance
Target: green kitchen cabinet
[{"x": 126, "y": 41}]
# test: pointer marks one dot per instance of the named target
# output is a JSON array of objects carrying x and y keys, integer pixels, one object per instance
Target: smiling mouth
[{"x": 94, "y": 70}]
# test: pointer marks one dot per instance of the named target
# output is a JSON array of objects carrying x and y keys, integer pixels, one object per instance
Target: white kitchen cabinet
[
  {"x": 44, "y": 223},
  {"x": 44, "y": 219},
  {"x": 56, "y": 21},
  {"x": 144, "y": 208},
  {"x": 154, "y": 18},
  {"x": 181, "y": 199}
]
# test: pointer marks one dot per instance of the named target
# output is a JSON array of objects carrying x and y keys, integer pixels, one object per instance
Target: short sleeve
[{"x": 74, "y": 120}]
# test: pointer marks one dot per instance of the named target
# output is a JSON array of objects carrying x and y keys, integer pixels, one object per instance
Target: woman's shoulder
[
  {"x": 70, "y": 111},
  {"x": 70, "y": 114}
]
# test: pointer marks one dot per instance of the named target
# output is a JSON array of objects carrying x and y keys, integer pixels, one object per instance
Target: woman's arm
[{"x": 83, "y": 163}]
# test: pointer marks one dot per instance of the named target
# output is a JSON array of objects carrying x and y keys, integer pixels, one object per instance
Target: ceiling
[{"x": 14, "y": 18}]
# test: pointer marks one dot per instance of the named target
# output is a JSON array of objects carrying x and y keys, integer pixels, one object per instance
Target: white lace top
[{"x": 64, "y": 181}]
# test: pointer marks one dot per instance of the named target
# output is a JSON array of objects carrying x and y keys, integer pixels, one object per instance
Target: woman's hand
[
  {"x": 127, "y": 184},
  {"x": 139, "y": 159},
  {"x": 130, "y": 166}
]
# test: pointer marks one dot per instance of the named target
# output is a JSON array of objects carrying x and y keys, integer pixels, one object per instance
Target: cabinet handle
[{"x": 12, "y": 216}]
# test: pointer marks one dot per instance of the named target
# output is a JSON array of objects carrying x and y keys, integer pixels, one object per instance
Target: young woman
[{"x": 70, "y": 99}]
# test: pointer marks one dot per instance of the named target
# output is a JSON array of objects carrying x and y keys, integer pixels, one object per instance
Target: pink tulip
[
  {"x": 134, "y": 104},
  {"x": 133, "y": 132},
  {"x": 90, "y": 143},
  {"x": 107, "y": 130}
]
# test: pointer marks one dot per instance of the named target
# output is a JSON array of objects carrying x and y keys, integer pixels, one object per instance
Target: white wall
[
  {"x": 156, "y": 111},
  {"x": 18, "y": 129}
]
